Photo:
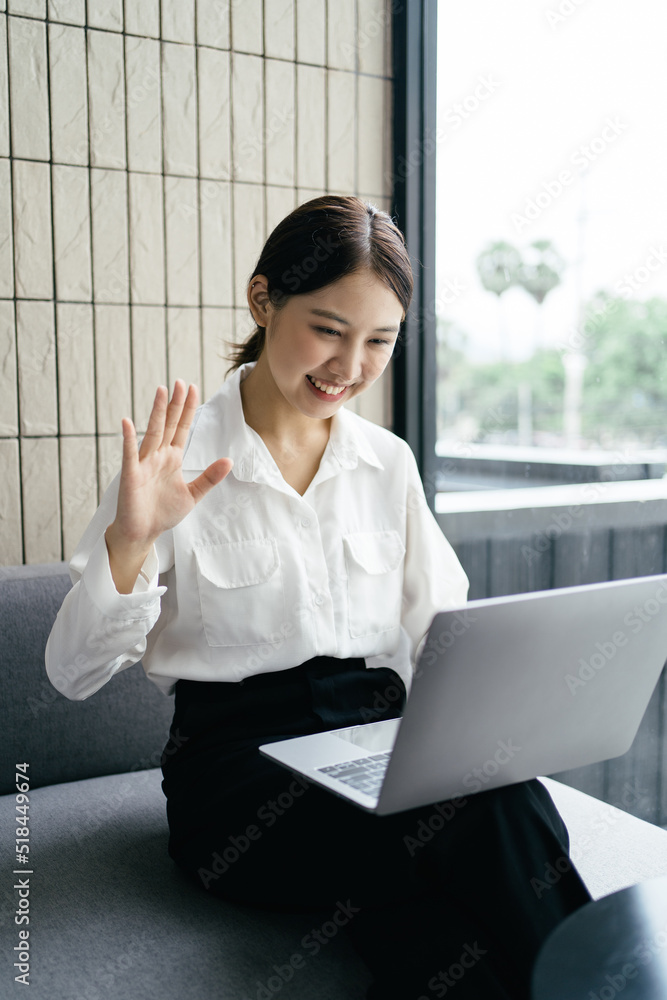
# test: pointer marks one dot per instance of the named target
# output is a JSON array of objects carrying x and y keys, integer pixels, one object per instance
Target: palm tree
[
  {"x": 539, "y": 273},
  {"x": 497, "y": 266}
]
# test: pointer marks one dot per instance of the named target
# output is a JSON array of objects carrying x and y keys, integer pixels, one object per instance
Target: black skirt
[
  {"x": 490, "y": 872},
  {"x": 212, "y": 759}
]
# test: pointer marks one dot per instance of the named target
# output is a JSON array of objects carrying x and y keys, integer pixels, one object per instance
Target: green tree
[
  {"x": 625, "y": 382},
  {"x": 487, "y": 393},
  {"x": 624, "y": 391}
]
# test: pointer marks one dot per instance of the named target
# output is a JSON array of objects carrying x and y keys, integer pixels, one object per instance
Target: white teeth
[{"x": 329, "y": 389}]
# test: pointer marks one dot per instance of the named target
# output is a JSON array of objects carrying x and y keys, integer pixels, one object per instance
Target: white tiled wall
[{"x": 147, "y": 148}]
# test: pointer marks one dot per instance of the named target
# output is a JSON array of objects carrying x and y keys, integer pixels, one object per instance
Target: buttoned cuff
[{"x": 143, "y": 602}]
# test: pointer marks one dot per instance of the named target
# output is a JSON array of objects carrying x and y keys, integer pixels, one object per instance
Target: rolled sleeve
[
  {"x": 98, "y": 581},
  {"x": 98, "y": 631}
]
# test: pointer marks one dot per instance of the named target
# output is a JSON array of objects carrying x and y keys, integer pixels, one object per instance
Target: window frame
[{"x": 414, "y": 53}]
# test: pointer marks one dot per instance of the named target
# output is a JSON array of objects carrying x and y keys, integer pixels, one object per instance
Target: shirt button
[
  {"x": 305, "y": 521},
  {"x": 319, "y": 599}
]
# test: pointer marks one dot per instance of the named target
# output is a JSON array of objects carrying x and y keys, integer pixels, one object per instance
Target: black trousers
[{"x": 457, "y": 894}]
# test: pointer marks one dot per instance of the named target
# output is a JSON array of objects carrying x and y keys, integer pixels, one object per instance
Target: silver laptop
[{"x": 505, "y": 689}]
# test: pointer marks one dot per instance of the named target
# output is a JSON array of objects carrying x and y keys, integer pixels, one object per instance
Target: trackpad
[{"x": 376, "y": 736}]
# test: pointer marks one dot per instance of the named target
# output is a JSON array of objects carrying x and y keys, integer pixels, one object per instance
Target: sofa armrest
[
  {"x": 609, "y": 848},
  {"x": 123, "y": 727}
]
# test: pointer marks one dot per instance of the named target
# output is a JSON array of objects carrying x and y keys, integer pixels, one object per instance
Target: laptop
[{"x": 504, "y": 690}]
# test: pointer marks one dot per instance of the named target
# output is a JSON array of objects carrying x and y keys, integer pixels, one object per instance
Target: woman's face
[{"x": 342, "y": 336}]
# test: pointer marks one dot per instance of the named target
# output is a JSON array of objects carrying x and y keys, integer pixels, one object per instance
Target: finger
[
  {"x": 174, "y": 411},
  {"x": 189, "y": 409},
  {"x": 209, "y": 478},
  {"x": 155, "y": 428},
  {"x": 130, "y": 453}
]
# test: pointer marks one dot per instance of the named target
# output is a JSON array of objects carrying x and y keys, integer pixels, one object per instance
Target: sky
[{"x": 562, "y": 103}]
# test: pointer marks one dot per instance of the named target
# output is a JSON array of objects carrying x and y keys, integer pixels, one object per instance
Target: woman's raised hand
[{"x": 153, "y": 496}]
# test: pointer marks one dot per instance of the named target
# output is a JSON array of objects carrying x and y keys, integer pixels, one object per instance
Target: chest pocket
[
  {"x": 241, "y": 592},
  {"x": 374, "y": 562}
]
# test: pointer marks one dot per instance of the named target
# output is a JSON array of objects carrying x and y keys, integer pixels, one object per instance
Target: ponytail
[{"x": 249, "y": 350}]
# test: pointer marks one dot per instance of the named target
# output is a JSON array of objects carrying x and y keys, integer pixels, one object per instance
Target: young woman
[{"x": 271, "y": 559}]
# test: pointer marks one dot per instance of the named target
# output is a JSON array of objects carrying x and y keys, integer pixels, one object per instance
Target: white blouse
[{"x": 258, "y": 577}]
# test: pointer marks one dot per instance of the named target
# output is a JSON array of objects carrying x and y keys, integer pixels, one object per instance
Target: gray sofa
[{"x": 110, "y": 915}]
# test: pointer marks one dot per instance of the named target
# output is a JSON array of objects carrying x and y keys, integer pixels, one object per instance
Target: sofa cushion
[
  {"x": 122, "y": 727},
  {"x": 115, "y": 919}
]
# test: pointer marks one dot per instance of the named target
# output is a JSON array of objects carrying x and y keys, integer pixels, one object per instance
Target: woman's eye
[{"x": 336, "y": 333}]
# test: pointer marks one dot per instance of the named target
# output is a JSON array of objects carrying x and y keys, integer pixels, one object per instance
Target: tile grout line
[
  {"x": 19, "y": 455},
  {"x": 54, "y": 310}
]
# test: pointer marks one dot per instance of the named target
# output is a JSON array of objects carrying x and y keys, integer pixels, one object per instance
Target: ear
[{"x": 258, "y": 299}]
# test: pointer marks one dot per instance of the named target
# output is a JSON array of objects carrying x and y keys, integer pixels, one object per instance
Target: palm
[{"x": 153, "y": 496}]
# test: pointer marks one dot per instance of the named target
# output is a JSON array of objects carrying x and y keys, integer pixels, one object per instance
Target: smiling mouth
[{"x": 328, "y": 390}]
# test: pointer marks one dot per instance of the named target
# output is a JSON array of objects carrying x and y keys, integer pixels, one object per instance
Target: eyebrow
[{"x": 326, "y": 314}]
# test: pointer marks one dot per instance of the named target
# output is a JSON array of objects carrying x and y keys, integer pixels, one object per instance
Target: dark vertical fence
[{"x": 505, "y": 558}]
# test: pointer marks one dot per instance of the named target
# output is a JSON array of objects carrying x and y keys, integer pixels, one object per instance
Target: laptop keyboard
[{"x": 366, "y": 774}]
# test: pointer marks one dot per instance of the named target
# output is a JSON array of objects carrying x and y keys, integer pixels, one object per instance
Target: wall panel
[{"x": 147, "y": 149}]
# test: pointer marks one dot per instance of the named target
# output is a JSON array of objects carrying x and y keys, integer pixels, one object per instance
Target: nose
[{"x": 346, "y": 363}]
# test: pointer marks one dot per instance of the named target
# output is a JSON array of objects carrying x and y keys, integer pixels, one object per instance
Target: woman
[{"x": 300, "y": 568}]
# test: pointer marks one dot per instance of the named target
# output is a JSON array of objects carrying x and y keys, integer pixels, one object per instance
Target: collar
[{"x": 219, "y": 431}]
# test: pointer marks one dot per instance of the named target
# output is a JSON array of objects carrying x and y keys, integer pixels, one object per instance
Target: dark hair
[{"x": 321, "y": 241}]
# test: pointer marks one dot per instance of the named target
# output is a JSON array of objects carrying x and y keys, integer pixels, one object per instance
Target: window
[
  {"x": 515, "y": 371},
  {"x": 551, "y": 257}
]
